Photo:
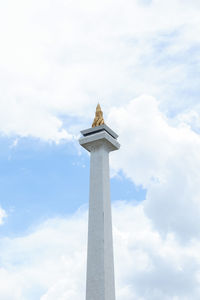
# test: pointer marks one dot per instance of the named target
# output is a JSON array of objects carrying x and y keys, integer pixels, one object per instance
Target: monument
[{"x": 99, "y": 141}]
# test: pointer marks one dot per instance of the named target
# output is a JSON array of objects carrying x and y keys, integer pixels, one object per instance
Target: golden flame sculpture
[{"x": 98, "y": 120}]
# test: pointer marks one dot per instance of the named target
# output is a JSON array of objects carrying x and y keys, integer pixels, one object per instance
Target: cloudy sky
[{"x": 141, "y": 60}]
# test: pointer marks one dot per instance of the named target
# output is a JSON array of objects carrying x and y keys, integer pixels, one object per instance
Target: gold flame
[{"x": 98, "y": 120}]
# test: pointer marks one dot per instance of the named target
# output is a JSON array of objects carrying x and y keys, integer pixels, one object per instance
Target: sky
[{"x": 141, "y": 60}]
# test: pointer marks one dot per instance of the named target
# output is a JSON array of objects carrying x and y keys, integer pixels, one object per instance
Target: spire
[
  {"x": 99, "y": 141},
  {"x": 98, "y": 108},
  {"x": 98, "y": 120}
]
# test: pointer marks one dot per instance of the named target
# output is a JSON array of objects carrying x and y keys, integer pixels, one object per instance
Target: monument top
[
  {"x": 100, "y": 128},
  {"x": 98, "y": 120},
  {"x": 99, "y": 125},
  {"x": 99, "y": 133}
]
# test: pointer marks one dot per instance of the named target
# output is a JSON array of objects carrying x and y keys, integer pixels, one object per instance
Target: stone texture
[{"x": 100, "y": 266}]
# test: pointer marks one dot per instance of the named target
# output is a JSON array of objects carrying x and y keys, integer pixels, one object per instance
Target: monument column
[{"x": 99, "y": 141}]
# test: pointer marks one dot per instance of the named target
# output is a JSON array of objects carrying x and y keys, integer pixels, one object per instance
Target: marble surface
[{"x": 100, "y": 266}]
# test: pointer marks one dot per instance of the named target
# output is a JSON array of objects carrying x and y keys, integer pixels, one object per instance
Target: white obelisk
[{"x": 99, "y": 141}]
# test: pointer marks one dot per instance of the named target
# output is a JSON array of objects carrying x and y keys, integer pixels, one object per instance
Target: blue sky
[
  {"x": 141, "y": 61},
  {"x": 43, "y": 180}
]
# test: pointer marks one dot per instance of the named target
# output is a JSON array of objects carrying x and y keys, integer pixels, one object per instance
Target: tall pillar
[{"x": 99, "y": 141}]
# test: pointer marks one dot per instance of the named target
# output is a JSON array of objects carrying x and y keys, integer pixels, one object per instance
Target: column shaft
[{"x": 100, "y": 266}]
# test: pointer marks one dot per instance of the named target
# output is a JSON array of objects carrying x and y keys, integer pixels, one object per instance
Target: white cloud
[
  {"x": 150, "y": 266},
  {"x": 50, "y": 262},
  {"x": 57, "y": 58},
  {"x": 162, "y": 155},
  {"x": 3, "y": 215}
]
